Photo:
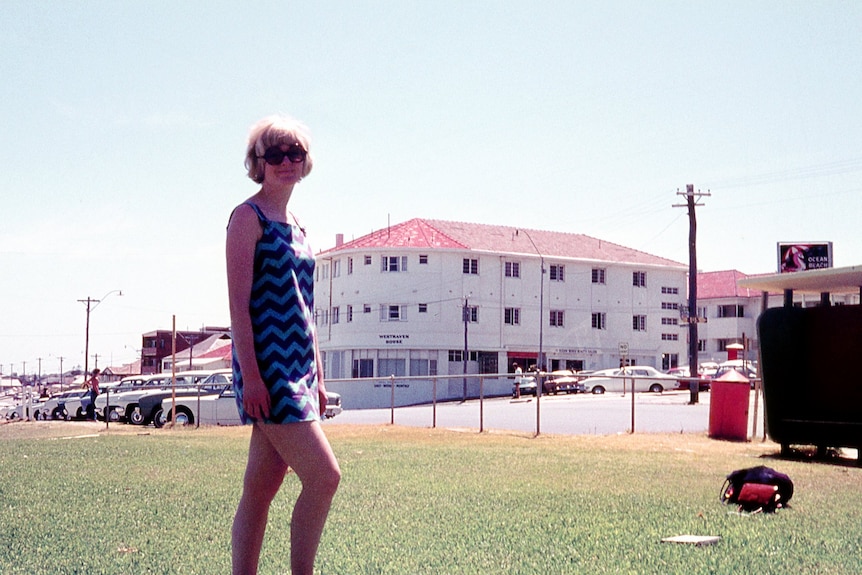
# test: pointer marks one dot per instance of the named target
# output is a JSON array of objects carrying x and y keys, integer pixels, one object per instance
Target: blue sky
[{"x": 124, "y": 125}]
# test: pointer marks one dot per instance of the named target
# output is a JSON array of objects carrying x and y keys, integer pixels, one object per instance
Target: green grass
[{"x": 417, "y": 501}]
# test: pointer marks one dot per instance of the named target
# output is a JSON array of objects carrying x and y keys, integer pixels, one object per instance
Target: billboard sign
[{"x": 800, "y": 256}]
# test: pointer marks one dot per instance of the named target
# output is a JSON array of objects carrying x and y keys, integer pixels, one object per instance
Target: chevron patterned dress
[{"x": 281, "y": 306}]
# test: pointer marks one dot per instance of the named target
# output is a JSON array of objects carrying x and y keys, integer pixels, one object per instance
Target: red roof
[
  {"x": 711, "y": 285},
  {"x": 221, "y": 352},
  {"x": 440, "y": 234}
]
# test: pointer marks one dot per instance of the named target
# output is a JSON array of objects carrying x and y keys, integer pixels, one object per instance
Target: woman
[
  {"x": 276, "y": 361},
  {"x": 93, "y": 385}
]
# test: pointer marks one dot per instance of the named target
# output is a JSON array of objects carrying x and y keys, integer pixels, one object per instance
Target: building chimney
[{"x": 339, "y": 240}]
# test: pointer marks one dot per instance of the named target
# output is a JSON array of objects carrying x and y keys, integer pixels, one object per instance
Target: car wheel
[
  {"x": 159, "y": 419},
  {"x": 113, "y": 416},
  {"x": 656, "y": 388},
  {"x": 598, "y": 390},
  {"x": 184, "y": 416},
  {"x": 136, "y": 417}
]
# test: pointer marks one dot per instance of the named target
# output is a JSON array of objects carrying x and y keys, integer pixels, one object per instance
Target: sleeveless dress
[{"x": 281, "y": 308}]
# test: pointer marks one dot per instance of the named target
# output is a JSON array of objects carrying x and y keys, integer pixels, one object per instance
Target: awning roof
[{"x": 831, "y": 280}]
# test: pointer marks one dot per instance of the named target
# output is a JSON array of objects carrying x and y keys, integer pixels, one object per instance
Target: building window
[
  {"x": 670, "y": 321},
  {"x": 336, "y": 268},
  {"x": 420, "y": 366},
  {"x": 423, "y": 259},
  {"x": 456, "y": 355},
  {"x": 513, "y": 269},
  {"x": 423, "y": 308},
  {"x": 393, "y": 263},
  {"x": 366, "y": 308},
  {"x": 669, "y": 290},
  {"x": 669, "y": 305},
  {"x": 557, "y": 317},
  {"x": 731, "y": 311},
  {"x": 670, "y": 337},
  {"x": 599, "y": 320},
  {"x": 349, "y": 313},
  {"x": 701, "y": 345},
  {"x": 598, "y": 275},
  {"x": 639, "y": 279},
  {"x": 335, "y": 314},
  {"x": 349, "y": 266},
  {"x": 470, "y": 313},
  {"x": 557, "y": 273},
  {"x": 363, "y": 368},
  {"x": 471, "y": 266},
  {"x": 512, "y": 316},
  {"x": 390, "y": 312},
  {"x": 368, "y": 260},
  {"x": 639, "y": 322}
]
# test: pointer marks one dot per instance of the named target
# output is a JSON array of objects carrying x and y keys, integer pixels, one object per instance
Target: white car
[
  {"x": 620, "y": 380},
  {"x": 220, "y": 409},
  {"x": 124, "y": 399}
]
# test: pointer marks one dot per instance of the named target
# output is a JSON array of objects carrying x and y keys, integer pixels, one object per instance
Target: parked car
[
  {"x": 55, "y": 406},
  {"x": 76, "y": 405},
  {"x": 220, "y": 409},
  {"x": 333, "y": 405},
  {"x": 213, "y": 409},
  {"x": 746, "y": 368},
  {"x": 149, "y": 407},
  {"x": 564, "y": 380},
  {"x": 124, "y": 400},
  {"x": 33, "y": 407},
  {"x": 527, "y": 385},
  {"x": 685, "y": 378},
  {"x": 620, "y": 380}
]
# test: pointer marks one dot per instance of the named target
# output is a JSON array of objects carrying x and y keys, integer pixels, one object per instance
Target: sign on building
[{"x": 797, "y": 257}]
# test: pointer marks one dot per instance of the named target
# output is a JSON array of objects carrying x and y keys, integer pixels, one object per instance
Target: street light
[
  {"x": 540, "y": 362},
  {"x": 91, "y": 305}
]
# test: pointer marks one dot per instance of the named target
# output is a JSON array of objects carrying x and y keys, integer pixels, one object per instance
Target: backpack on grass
[{"x": 757, "y": 489}]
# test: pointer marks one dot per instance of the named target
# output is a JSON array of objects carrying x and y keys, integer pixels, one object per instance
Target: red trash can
[{"x": 728, "y": 407}]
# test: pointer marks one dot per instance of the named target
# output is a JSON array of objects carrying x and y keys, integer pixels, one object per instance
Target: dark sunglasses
[{"x": 274, "y": 155}]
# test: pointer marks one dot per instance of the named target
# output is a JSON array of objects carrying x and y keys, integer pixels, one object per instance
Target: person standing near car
[
  {"x": 277, "y": 372},
  {"x": 518, "y": 379},
  {"x": 93, "y": 385}
]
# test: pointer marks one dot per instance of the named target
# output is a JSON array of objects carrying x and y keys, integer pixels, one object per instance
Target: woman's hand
[
  {"x": 321, "y": 397},
  {"x": 255, "y": 399}
]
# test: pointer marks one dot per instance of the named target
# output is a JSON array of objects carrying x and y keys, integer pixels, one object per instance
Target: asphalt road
[{"x": 579, "y": 414}]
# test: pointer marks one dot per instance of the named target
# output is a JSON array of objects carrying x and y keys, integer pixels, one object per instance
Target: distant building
[
  {"x": 157, "y": 345},
  {"x": 731, "y": 312},
  {"x": 429, "y": 297}
]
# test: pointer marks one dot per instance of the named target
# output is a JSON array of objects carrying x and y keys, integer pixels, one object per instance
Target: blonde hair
[{"x": 275, "y": 131}]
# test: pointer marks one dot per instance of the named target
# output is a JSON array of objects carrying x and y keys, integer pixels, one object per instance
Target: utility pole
[
  {"x": 691, "y": 202},
  {"x": 466, "y": 321}
]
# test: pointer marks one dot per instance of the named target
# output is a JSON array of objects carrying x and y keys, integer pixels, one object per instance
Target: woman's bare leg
[
  {"x": 264, "y": 474},
  {"x": 304, "y": 447}
]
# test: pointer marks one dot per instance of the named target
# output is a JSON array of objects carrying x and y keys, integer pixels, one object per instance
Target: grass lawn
[{"x": 76, "y": 499}]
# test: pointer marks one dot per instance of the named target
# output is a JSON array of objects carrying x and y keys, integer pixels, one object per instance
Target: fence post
[
  {"x": 481, "y": 404},
  {"x": 434, "y": 406},
  {"x": 108, "y": 410},
  {"x": 392, "y": 401},
  {"x": 539, "y": 385}
]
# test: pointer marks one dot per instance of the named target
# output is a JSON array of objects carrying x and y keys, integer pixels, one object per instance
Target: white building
[{"x": 420, "y": 297}]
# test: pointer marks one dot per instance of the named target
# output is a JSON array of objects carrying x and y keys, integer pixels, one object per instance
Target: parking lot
[{"x": 578, "y": 414}]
